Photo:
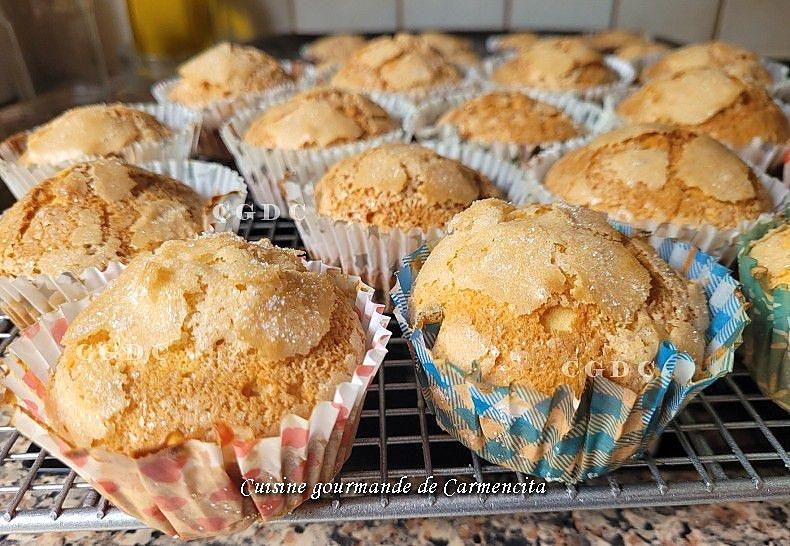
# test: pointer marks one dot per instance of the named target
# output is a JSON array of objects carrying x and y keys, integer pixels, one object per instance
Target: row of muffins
[{"x": 392, "y": 187}]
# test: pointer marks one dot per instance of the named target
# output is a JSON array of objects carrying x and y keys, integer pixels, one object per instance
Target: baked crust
[
  {"x": 510, "y": 117},
  {"x": 555, "y": 64},
  {"x": 94, "y": 213},
  {"x": 319, "y": 118},
  {"x": 660, "y": 173},
  {"x": 226, "y": 71},
  {"x": 400, "y": 63},
  {"x": 95, "y": 130},
  {"x": 710, "y": 101},
  {"x": 399, "y": 186}
]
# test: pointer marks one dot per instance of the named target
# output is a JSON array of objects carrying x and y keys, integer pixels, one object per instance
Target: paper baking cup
[
  {"x": 720, "y": 243},
  {"x": 184, "y": 123},
  {"x": 193, "y": 490},
  {"x": 424, "y": 122},
  {"x": 560, "y": 437},
  {"x": 25, "y": 299},
  {"x": 766, "y": 351},
  {"x": 599, "y": 93},
  {"x": 374, "y": 253},
  {"x": 264, "y": 168},
  {"x": 218, "y": 112}
]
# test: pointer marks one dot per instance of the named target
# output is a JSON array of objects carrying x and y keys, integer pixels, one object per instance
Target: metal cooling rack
[{"x": 730, "y": 443}]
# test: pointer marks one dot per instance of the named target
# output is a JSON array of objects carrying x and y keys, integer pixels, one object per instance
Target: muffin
[
  {"x": 608, "y": 41},
  {"x": 319, "y": 118},
  {"x": 764, "y": 267},
  {"x": 660, "y": 173},
  {"x": 509, "y": 117},
  {"x": 403, "y": 63},
  {"x": 455, "y": 49},
  {"x": 289, "y": 338},
  {"x": 734, "y": 60},
  {"x": 226, "y": 71},
  {"x": 94, "y": 213},
  {"x": 555, "y": 64},
  {"x": 95, "y": 130},
  {"x": 334, "y": 49},
  {"x": 710, "y": 101},
  {"x": 515, "y": 41},
  {"x": 399, "y": 186},
  {"x": 554, "y": 293},
  {"x": 639, "y": 50}
]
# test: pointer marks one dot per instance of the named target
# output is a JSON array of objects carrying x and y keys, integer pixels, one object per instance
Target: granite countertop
[{"x": 736, "y": 523}]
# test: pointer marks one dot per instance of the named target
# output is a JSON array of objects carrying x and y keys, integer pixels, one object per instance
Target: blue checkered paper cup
[{"x": 559, "y": 437}]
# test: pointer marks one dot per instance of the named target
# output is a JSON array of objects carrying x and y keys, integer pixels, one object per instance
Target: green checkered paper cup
[
  {"x": 765, "y": 347},
  {"x": 560, "y": 437}
]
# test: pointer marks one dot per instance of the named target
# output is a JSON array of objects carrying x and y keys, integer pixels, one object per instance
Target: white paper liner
[
  {"x": 184, "y": 123},
  {"x": 263, "y": 168},
  {"x": 25, "y": 299},
  {"x": 374, "y": 253},
  {"x": 218, "y": 112},
  {"x": 193, "y": 490},
  {"x": 589, "y": 116},
  {"x": 719, "y": 243},
  {"x": 599, "y": 93}
]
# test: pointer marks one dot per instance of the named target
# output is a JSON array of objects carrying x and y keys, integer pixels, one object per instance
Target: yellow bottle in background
[{"x": 170, "y": 29}]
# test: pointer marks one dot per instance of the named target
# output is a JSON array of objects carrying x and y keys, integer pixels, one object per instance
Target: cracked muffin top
[
  {"x": 555, "y": 64},
  {"x": 319, "y": 118},
  {"x": 637, "y": 50},
  {"x": 516, "y": 41},
  {"x": 608, "y": 41},
  {"x": 734, "y": 60},
  {"x": 710, "y": 101},
  {"x": 660, "y": 173},
  {"x": 455, "y": 49},
  {"x": 247, "y": 319},
  {"x": 400, "y": 63},
  {"x": 510, "y": 117},
  {"x": 226, "y": 71},
  {"x": 94, "y": 213},
  {"x": 553, "y": 289},
  {"x": 95, "y": 130},
  {"x": 399, "y": 186},
  {"x": 772, "y": 252},
  {"x": 334, "y": 49}
]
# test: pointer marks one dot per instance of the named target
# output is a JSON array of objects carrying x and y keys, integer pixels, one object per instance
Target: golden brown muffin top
[
  {"x": 516, "y": 41},
  {"x": 660, "y": 173},
  {"x": 711, "y": 101},
  {"x": 455, "y": 49},
  {"x": 98, "y": 129},
  {"x": 772, "y": 252},
  {"x": 734, "y": 60},
  {"x": 319, "y": 118},
  {"x": 510, "y": 117},
  {"x": 531, "y": 296},
  {"x": 226, "y": 71},
  {"x": 399, "y": 186},
  {"x": 556, "y": 64},
  {"x": 202, "y": 333},
  {"x": 94, "y": 213},
  {"x": 637, "y": 50},
  {"x": 607, "y": 41},
  {"x": 399, "y": 63},
  {"x": 335, "y": 49}
]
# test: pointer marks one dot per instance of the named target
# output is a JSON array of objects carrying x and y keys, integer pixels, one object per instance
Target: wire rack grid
[{"x": 730, "y": 443}]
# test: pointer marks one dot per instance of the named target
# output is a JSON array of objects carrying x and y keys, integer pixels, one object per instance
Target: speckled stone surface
[{"x": 748, "y": 523}]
